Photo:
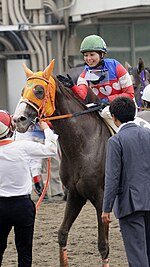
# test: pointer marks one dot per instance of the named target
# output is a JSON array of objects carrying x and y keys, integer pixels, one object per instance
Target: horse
[
  {"x": 140, "y": 76},
  {"x": 83, "y": 137}
]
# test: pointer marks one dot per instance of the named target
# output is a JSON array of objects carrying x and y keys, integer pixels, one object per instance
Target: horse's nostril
[{"x": 22, "y": 118}]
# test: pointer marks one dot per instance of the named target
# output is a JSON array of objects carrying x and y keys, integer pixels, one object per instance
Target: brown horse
[{"x": 83, "y": 145}]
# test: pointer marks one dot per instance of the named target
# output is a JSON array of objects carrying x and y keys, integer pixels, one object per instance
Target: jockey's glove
[
  {"x": 103, "y": 102},
  {"x": 66, "y": 81}
]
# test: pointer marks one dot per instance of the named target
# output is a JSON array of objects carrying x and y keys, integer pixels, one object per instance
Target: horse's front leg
[{"x": 73, "y": 207}]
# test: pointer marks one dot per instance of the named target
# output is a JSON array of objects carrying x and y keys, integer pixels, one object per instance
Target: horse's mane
[
  {"x": 68, "y": 93},
  {"x": 91, "y": 97}
]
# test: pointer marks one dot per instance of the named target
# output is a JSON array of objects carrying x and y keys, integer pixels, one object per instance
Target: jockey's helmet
[
  {"x": 146, "y": 93},
  {"x": 5, "y": 123},
  {"x": 93, "y": 43}
]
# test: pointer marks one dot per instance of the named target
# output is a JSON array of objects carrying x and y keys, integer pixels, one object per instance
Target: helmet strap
[{"x": 100, "y": 63}]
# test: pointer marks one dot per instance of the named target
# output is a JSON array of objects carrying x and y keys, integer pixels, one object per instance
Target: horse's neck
[{"x": 67, "y": 103}]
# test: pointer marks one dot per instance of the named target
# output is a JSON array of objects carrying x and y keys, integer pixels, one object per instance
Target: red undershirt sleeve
[{"x": 80, "y": 90}]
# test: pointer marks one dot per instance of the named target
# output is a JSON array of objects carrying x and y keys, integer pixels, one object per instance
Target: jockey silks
[{"x": 108, "y": 80}]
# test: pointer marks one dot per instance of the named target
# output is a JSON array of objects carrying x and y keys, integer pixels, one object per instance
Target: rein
[{"x": 70, "y": 115}]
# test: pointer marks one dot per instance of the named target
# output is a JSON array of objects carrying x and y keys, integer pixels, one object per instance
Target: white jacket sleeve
[{"x": 38, "y": 150}]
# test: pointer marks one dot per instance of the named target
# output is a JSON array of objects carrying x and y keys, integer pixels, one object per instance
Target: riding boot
[{"x": 39, "y": 186}]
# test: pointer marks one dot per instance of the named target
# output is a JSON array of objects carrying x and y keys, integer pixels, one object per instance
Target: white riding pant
[{"x": 105, "y": 114}]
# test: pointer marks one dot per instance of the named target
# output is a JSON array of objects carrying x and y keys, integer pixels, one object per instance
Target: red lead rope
[
  {"x": 46, "y": 184},
  {"x": 5, "y": 142}
]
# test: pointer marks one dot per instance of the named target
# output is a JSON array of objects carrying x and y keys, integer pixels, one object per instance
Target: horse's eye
[{"x": 39, "y": 91}]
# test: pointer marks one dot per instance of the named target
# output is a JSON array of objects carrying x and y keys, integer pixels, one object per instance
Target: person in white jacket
[
  {"x": 38, "y": 167},
  {"x": 16, "y": 207}
]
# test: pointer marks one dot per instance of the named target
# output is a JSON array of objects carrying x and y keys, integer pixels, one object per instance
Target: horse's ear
[
  {"x": 28, "y": 72},
  {"x": 140, "y": 66},
  {"x": 48, "y": 71},
  {"x": 127, "y": 66}
]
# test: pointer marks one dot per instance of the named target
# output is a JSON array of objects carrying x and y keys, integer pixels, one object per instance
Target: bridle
[{"x": 41, "y": 109}]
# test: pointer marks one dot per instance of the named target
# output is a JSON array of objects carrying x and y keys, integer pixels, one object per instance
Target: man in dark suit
[{"x": 127, "y": 182}]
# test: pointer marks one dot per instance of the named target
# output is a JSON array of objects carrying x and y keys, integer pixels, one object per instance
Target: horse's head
[
  {"x": 38, "y": 97},
  {"x": 140, "y": 76}
]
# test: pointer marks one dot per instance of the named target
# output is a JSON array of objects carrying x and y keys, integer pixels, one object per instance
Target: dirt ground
[{"x": 82, "y": 241}]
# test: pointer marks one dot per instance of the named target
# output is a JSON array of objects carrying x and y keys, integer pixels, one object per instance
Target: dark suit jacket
[{"x": 127, "y": 175}]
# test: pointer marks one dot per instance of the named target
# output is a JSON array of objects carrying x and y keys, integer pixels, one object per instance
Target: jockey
[
  {"x": 146, "y": 96},
  {"x": 107, "y": 78}
]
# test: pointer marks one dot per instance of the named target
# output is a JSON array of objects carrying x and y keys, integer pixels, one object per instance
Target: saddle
[
  {"x": 109, "y": 125},
  {"x": 111, "y": 130}
]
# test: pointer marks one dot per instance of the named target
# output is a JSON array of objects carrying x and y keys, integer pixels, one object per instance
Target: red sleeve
[
  {"x": 128, "y": 92},
  {"x": 127, "y": 88},
  {"x": 80, "y": 90}
]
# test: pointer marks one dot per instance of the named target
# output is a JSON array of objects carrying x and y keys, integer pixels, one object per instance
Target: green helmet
[{"x": 93, "y": 43}]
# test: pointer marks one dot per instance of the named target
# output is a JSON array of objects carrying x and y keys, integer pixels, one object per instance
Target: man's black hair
[{"x": 123, "y": 108}]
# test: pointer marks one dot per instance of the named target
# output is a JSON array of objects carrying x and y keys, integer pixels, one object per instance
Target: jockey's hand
[
  {"x": 67, "y": 81},
  {"x": 43, "y": 125},
  {"x": 103, "y": 102}
]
